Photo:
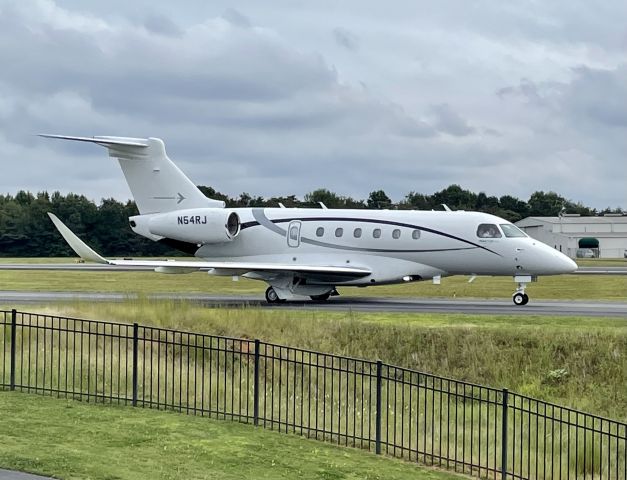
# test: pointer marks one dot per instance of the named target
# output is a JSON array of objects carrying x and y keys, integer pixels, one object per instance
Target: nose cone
[
  {"x": 566, "y": 264},
  {"x": 554, "y": 262}
]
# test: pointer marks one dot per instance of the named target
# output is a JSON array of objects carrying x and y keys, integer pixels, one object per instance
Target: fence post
[
  {"x": 135, "y": 349},
  {"x": 13, "y": 336},
  {"x": 378, "y": 412},
  {"x": 504, "y": 436},
  {"x": 256, "y": 384}
]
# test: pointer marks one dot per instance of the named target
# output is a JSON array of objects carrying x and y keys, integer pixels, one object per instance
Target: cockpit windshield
[
  {"x": 512, "y": 231},
  {"x": 488, "y": 230}
]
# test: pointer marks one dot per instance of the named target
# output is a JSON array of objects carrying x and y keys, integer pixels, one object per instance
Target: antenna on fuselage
[
  {"x": 324, "y": 207},
  {"x": 446, "y": 208}
]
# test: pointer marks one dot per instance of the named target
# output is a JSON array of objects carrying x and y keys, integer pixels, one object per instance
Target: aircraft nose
[
  {"x": 570, "y": 266},
  {"x": 560, "y": 263}
]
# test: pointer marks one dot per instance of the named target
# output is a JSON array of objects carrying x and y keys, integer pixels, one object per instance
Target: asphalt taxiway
[{"x": 348, "y": 303}]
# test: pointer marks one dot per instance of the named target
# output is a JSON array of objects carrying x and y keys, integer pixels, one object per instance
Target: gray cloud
[
  {"x": 236, "y": 18},
  {"x": 345, "y": 39},
  {"x": 599, "y": 95},
  {"x": 277, "y": 106},
  {"x": 449, "y": 121},
  {"x": 162, "y": 25}
]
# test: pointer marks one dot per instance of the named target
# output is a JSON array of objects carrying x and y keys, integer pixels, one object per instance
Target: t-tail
[{"x": 156, "y": 183}]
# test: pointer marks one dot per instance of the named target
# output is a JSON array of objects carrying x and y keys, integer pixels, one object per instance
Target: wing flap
[{"x": 244, "y": 266}]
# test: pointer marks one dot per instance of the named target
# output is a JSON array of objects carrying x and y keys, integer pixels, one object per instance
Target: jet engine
[{"x": 197, "y": 225}]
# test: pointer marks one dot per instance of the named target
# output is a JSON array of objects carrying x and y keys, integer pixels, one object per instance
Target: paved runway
[
  {"x": 361, "y": 304},
  {"x": 12, "y": 475}
]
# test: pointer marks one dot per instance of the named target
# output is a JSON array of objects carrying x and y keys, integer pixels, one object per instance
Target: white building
[{"x": 572, "y": 233}]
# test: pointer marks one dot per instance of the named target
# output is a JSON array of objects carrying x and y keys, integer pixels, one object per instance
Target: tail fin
[{"x": 155, "y": 181}]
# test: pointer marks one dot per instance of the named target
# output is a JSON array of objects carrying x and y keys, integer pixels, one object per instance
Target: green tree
[
  {"x": 416, "y": 201},
  {"x": 456, "y": 198},
  {"x": 379, "y": 200},
  {"x": 548, "y": 204}
]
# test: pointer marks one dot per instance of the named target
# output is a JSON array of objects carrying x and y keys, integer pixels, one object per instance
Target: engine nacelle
[{"x": 197, "y": 225}]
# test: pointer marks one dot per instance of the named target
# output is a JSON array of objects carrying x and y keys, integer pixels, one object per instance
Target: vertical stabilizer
[{"x": 156, "y": 183}]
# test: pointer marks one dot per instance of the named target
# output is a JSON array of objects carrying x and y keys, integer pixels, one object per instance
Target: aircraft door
[{"x": 293, "y": 233}]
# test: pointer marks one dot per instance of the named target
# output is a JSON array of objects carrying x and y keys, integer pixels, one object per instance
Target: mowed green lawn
[
  {"x": 73, "y": 440},
  {"x": 567, "y": 287}
]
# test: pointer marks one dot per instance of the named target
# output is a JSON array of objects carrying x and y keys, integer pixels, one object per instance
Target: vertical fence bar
[
  {"x": 378, "y": 411},
  {"x": 135, "y": 348},
  {"x": 256, "y": 384},
  {"x": 504, "y": 436},
  {"x": 13, "y": 337}
]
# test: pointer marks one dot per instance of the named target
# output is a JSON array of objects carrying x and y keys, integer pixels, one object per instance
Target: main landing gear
[
  {"x": 272, "y": 297},
  {"x": 520, "y": 297},
  {"x": 320, "y": 298}
]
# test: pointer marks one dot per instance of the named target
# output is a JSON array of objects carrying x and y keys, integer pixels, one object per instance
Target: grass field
[
  {"x": 520, "y": 353},
  {"x": 575, "y": 287},
  {"x": 69, "y": 439}
]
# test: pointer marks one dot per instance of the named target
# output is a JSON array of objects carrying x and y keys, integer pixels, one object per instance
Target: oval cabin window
[{"x": 319, "y": 232}]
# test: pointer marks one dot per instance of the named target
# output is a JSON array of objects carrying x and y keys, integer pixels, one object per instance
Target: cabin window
[
  {"x": 415, "y": 234},
  {"x": 488, "y": 230},
  {"x": 512, "y": 231},
  {"x": 396, "y": 233},
  {"x": 376, "y": 233},
  {"x": 294, "y": 232},
  {"x": 357, "y": 233},
  {"x": 339, "y": 232},
  {"x": 319, "y": 232}
]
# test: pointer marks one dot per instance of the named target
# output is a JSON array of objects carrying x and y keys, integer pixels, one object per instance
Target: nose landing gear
[{"x": 520, "y": 297}]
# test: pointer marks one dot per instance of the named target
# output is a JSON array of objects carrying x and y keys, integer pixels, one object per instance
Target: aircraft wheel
[
  {"x": 520, "y": 298},
  {"x": 320, "y": 298},
  {"x": 271, "y": 296}
]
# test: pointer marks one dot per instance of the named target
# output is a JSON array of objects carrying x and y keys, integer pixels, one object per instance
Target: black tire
[
  {"x": 320, "y": 298},
  {"x": 271, "y": 296},
  {"x": 525, "y": 299},
  {"x": 519, "y": 298}
]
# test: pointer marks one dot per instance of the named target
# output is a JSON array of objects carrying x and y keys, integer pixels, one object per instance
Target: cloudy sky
[{"x": 283, "y": 97}]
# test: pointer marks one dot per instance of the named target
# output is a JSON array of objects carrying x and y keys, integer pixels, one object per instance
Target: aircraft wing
[{"x": 188, "y": 266}]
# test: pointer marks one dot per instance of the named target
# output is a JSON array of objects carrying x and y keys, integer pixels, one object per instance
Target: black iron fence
[{"x": 464, "y": 427}]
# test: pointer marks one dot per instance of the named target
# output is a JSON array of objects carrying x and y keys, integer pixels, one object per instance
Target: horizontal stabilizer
[
  {"x": 156, "y": 183},
  {"x": 104, "y": 141}
]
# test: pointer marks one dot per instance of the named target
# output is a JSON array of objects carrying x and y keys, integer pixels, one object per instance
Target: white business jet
[{"x": 302, "y": 252}]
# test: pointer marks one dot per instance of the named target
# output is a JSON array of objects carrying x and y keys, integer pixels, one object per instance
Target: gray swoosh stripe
[{"x": 265, "y": 221}]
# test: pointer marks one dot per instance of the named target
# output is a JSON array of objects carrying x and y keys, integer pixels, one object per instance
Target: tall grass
[{"x": 520, "y": 353}]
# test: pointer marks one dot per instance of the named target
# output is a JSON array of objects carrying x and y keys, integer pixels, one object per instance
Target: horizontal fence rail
[{"x": 472, "y": 429}]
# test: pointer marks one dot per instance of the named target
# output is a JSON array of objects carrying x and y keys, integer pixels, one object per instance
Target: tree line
[{"x": 26, "y": 230}]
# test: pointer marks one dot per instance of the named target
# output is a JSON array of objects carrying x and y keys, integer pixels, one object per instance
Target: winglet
[{"x": 76, "y": 243}]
